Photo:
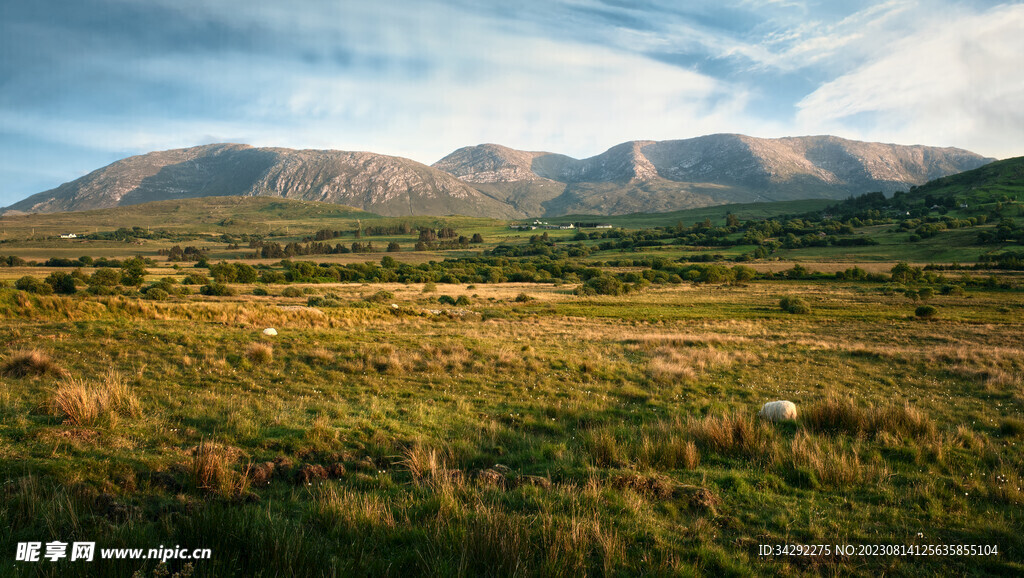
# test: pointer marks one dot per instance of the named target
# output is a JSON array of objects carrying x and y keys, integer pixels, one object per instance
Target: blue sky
[{"x": 86, "y": 82}]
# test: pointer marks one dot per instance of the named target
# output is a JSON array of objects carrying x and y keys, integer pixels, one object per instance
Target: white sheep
[
  {"x": 270, "y": 331},
  {"x": 778, "y": 410}
]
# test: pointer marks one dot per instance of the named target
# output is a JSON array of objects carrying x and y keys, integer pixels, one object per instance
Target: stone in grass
[
  {"x": 778, "y": 410},
  {"x": 270, "y": 331}
]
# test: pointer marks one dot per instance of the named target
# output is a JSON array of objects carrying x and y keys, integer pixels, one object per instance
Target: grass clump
[
  {"x": 259, "y": 353},
  {"x": 212, "y": 470},
  {"x": 843, "y": 415},
  {"x": 30, "y": 362},
  {"x": 926, "y": 312},
  {"x": 794, "y": 305},
  {"x": 87, "y": 404}
]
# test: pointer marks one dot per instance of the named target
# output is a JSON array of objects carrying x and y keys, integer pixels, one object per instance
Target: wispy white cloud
[
  {"x": 956, "y": 82},
  {"x": 419, "y": 78}
]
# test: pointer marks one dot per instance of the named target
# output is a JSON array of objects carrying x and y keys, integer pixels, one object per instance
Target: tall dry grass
[
  {"x": 85, "y": 403},
  {"x": 30, "y": 362}
]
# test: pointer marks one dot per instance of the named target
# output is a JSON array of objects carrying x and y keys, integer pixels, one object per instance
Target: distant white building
[{"x": 69, "y": 236}]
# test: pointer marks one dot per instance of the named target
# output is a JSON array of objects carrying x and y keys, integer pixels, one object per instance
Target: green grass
[
  {"x": 717, "y": 214},
  {"x": 562, "y": 435}
]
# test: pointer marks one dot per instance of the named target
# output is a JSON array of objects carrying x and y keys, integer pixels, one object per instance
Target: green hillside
[
  {"x": 1000, "y": 181},
  {"x": 717, "y": 213},
  {"x": 221, "y": 214}
]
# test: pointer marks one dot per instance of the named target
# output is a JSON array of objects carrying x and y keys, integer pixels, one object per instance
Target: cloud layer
[{"x": 92, "y": 81}]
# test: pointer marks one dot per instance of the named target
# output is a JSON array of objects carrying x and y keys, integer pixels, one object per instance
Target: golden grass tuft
[
  {"x": 30, "y": 362},
  {"x": 356, "y": 512},
  {"x": 830, "y": 463},
  {"x": 735, "y": 433},
  {"x": 212, "y": 470},
  {"x": 836, "y": 414},
  {"x": 83, "y": 403},
  {"x": 259, "y": 353}
]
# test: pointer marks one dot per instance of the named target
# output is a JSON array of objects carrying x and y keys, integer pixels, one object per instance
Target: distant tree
[
  {"x": 62, "y": 282},
  {"x": 133, "y": 271}
]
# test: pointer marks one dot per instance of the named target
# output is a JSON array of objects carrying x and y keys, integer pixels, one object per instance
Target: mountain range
[{"x": 495, "y": 181}]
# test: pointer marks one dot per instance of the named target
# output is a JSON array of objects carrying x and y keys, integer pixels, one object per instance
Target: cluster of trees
[
  {"x": 133, "y": 233},
  {"x": 189, "y": 253},
  {"x": 102, "y": 281}
]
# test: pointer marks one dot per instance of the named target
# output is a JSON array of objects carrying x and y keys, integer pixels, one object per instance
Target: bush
[
  {"x": 523, "y": 298},
  {"x": 429, "y": 287},
  {"x": 194, "y": 279},
  {"x": 216, "y": 290},
  {"x": 380, "y": 297},
  {"x": 30, "y": 284},
  {"x": 157, "y": 294},
  {"x": 446, "y": 300},
  {"x": 794, "y": 305},
  {"x": 462, "y": 301},
  {"x": 952, "y": 290},
  {"x": 291, "y": 292},
  {"x": 926, "y": 312},
  {"x": 318, "y": 301},
  {"x": 63, "y": 283},
  {"x": 925, "y": 293},
  {"x": 260, "y": 292},
  {"x": 602, "y": 285}
]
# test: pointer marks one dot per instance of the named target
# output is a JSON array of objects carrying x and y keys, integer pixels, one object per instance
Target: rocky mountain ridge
[{"x": 495, "y": 181}]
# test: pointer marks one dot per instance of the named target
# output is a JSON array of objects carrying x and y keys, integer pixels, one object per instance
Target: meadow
[
  {"x": 404, "y": 424},
  {"x": 545, "y": 434}
]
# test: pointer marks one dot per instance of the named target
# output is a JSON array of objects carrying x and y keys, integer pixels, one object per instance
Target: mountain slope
[
  {"x": 996, "y": 182},
  {"x": 496, "y": 181},
  {"x": 670, "y": 175},
  {"x": 385, "y": 185}
]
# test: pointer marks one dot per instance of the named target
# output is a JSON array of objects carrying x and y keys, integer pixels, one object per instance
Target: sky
[{"x": 86, "y": 82}]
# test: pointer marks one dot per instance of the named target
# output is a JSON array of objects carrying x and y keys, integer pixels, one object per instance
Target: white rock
[
  {"x": 269, "y": 331},
  {"x": 778, "y": 410}
]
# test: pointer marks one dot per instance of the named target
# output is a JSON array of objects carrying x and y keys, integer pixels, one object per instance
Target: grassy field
[
  {"x": 555, "y": 435},
  {"x": 496, "y": 427}
]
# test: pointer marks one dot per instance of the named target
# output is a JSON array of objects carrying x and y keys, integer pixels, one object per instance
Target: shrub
[
  {"x": 291, "y": 292},
  {"x": 462, "y": 301},
  {"x": 63, "y": 283},
  {"x": 157, "y": 294},
  {"x": 380, "y": 296},
  {"x": 446, "y": 300},
  {"x": 193, "y": 279},
  {"x": 30, "y": 284},
  {"x": 318, "y": 301},
  {"x": 794, "y": 305},
  {"x": 260, "y": 292},
  {"x": 429, "y": 287},
  {"x": 926, "y": 312},
  {"x": 271, "y": 276},
  {"x": 27, "y": 362},
  {"x": 523, "y": 298},
  {"x": 925, "y": 293},
  {"x": 216, "y": 289},
  {"x": 952, "y": 290}
]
